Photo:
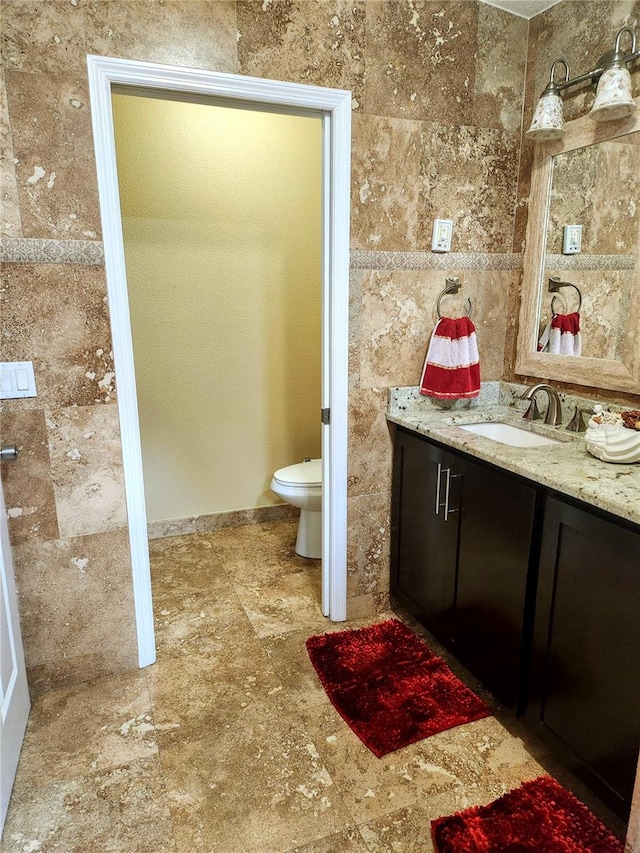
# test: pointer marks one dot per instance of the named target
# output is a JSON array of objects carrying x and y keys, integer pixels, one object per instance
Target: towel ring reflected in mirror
[
  {"x": 554, "y": 287},
  {"x": 452, "y": 285}
]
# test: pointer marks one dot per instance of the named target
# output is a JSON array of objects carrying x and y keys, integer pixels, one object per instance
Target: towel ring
[
  {"x": 554, "y": 287},
  {"x": 452, "y": 285}
]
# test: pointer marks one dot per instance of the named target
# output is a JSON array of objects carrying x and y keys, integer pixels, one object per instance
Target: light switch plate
[
  {"x": 572, "y": 243},
  {"x": 442, "y": 231},
  {"x": 17, "y": 380}
]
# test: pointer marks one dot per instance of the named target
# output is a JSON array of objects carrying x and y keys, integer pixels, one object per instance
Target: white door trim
[
  {"x": 335, "y": 106},
  {"x": 14, "y": 692}
]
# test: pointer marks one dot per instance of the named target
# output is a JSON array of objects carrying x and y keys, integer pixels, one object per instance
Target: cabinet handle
[
  {"x": 446, "y": 495},
  {"x": 444, "y": 505},
  {"x": 447, "y": 511},
  {"x": 447, "y": 490}
]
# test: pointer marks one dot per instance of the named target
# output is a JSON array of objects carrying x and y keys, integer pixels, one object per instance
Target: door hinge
[
  {"x": 325, "y": 416},
  {"x": 9, "y": 453}
]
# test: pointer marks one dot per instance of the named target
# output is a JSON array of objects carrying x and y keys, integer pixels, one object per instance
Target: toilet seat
[{"x": 303, "y": 474}]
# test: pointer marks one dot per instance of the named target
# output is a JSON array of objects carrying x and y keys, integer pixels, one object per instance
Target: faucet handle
[
  {"x": 533, "y": 412},
  {"x": 577, "y": 424}
]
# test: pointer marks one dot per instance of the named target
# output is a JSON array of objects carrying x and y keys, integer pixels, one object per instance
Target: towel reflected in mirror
[{"x": 561, "y": 335}]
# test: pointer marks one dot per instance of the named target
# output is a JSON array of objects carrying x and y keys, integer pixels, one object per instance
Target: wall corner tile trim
[
  {"x": 19, "y": 250},
  {"x": 23, "y": 250},
  {"x": 362, "y": 259}
]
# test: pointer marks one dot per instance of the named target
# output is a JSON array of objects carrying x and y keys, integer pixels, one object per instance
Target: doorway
[
  {"x": 333, "y": 108},
  {"x": 222, "y": 224}
]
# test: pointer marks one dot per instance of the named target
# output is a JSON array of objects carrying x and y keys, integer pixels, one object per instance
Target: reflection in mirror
[
  {"x": 597, "y": 192},
  {"x": 597, "y": 188}
]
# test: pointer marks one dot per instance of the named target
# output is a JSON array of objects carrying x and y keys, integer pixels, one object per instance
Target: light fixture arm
[
  {"x": 621, "y": 32},
  {"x": 553, "y": 85},
  {"x": 613, "y": 59}
]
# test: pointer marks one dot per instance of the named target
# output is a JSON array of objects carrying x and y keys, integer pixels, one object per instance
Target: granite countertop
[{"x": 566, "y": 467}]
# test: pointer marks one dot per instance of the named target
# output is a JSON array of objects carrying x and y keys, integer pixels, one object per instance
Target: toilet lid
[{"x": 304, "y": 473}]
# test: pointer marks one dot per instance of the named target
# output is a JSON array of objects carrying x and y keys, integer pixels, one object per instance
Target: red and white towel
[
  {"x": 452, "y": 366},
  {"x": 562, "y": 335}
]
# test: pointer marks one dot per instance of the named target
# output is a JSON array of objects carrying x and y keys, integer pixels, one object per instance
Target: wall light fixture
[{"x": 613, "y": 94}]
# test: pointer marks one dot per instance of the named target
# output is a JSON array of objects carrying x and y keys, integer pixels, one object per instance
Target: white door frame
[
  {"x": 334, "y": 105},
  {"x": 14, "y": 692}
]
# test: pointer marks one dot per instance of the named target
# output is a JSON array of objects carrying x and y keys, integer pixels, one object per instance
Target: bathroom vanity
[
  {"x": 462, "y": 536},
  {"x": 525, "y": 562}
]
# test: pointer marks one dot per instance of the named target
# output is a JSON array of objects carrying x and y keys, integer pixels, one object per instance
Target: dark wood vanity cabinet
[
  {"x": 425, "y": 537},
  {"x": 493, "y": 594},
  {"x": 461, "y": 536},
  {"x": 584, "y": 695},
  {"x": 538, "y": 596}
]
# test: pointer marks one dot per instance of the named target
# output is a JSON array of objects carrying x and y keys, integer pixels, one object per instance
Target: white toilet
[{"x": 301, "y": 485}]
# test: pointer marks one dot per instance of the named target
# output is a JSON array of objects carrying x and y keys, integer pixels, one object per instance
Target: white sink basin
[{"x": 509, "y": 434}]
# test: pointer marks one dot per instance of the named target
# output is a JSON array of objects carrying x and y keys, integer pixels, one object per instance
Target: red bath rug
[
  {"x": 389, "y": 687},
  {"x": 538, "y": 817}
]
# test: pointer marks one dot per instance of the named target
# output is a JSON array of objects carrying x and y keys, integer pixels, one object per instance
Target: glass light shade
[
  {"x": 548, "y": 121},
  {"x": 613, "y": 96}
]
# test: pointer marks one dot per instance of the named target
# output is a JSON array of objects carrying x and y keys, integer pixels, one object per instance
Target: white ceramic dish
[{"x": 613, "y": 443}]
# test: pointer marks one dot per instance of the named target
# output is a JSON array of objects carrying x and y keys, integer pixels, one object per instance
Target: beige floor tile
[
  {"x": 259, "y": 574},
  {"x": 370, "y": 786},
  {"x": 181, "y": 632},
  {"x": 289, "y": 603},
  {"x": 503, "y": 754},
  {"x": 121, "y": 810},
  {"x": 88, "y": 727},
  {"x": 192, "y": 556},
  {"x": 197, "y": 694},
  {"x": 373, "y": 787},
  {"x": 261, "y": 552},
  {"x": 407, "y": 829},
  {"x": 187, "y": 571},
  {"x": 183, "y": 561},
  {"x": 254, "y": 786},
  {"x": 349, "y": 841},
  {"x": 289, "y": 657},
  {"x": 262, "y": 542},
  {"x": 189, "y": 615}
]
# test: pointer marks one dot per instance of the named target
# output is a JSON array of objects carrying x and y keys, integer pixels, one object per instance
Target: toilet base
[{"x": 309, "y": 540}]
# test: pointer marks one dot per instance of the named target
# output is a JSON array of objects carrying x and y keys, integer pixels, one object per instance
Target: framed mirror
[{"x": 583, "y": 240}]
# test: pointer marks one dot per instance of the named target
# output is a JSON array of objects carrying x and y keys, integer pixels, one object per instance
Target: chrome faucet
[{"x": 554, "y": 408}]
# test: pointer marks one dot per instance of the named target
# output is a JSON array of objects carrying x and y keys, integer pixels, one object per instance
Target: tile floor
[{"x": 228, "y": 743}]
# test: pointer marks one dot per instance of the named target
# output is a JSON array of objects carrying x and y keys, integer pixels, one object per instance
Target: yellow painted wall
[{"x": 222, "y": 229}]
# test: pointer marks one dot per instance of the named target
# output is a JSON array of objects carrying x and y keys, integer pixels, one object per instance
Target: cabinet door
[
  {"x": 585, "y": 688},
  {"x": 425, "y": 532},
  {"x": 496, "y": 525}
]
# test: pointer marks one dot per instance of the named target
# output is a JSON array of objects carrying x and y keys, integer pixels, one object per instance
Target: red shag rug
[
  {"x": 389, "y": 686},
  {"x": 538, "y": 817}
]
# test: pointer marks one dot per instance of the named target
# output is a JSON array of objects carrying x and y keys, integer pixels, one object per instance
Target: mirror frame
[{"x": 602, "y": 373}]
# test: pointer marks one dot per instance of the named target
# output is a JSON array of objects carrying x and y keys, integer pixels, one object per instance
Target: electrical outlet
[
  {"x": 442, "y": 231},
  {"x": 572, "y": 240}
]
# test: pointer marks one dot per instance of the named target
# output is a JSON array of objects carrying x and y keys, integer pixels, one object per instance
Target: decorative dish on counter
[{"x": 614, "y": 437}]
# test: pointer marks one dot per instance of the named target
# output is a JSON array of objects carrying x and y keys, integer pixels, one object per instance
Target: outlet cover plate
[
  {"x": 442, "y": 231},
  {"x": 572, "y": 243},
  {"x": 17, "y": 380}
]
